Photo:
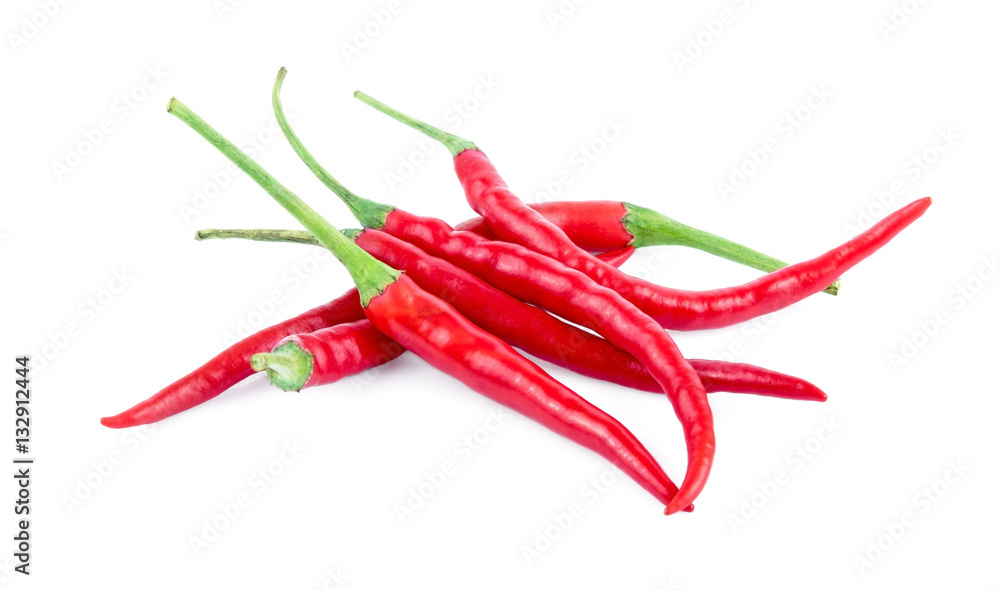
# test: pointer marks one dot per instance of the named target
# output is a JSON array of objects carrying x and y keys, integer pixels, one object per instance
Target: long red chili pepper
[
  {"x": 437, "y": 333},
  {"x": 531, "y": 329},
  {"x": 324, "y": 356},
  {"x": 600, "y": 226},
  {"x": 233, "y": 364},
  {"x": 618, "y": 257},
  {"x": 512, "y": 220},
  {"x": 572, "y": 295}
]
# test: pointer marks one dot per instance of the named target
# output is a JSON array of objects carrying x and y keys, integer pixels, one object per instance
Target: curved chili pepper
[
  {"x": 326, "y": 355},
  {"x": 437, "y": 333},
  {"x": 618, "y": 257},
  {"x": 600, "y": 226},
  {"x": 677, "y": 309},
  {"x": 232, "y": 365},
  {"x": 572, "y": 295},
  {"x": 531, "y": 329}
]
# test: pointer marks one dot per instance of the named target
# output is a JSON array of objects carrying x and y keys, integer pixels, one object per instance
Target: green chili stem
[
  {"x": 652, "y": 228},
  {"x": 454, "y": 143},
  {"x": 369, "y": 213},
  {"x": 370, "y": 275},
  {"x": 288, "y": 366}
]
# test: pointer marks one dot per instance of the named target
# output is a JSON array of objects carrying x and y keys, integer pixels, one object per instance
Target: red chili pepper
[
  {"x": 531, "y": 329},
  {"x": 512, "y": 220},
  {"x": 543, "y": 281},
  {"x": 618, "y": 257},
  {"x": 327, "y": 355},
  {"x": 330, "y": 354},
  {"x": 233, "y": 364},
  {"x": 437, "y": 333},
  {"x": 600, "y": 226}
]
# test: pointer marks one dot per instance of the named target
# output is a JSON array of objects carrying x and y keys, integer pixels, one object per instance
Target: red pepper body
[
  {"x": 233, "y": 364},
  {"x": 592, "y": 225},
  {"x": 717, "y": 308},
  {"x": 542, "y": 281},
  {"x": 345, "y": 349},
  {"x": 437, "y": 333},
  {"x": 512, "y": 220},
  {"x": 618, "y": 257},
  {"x": 540, "y": 334},
  {"x": 744, "y": 378}
]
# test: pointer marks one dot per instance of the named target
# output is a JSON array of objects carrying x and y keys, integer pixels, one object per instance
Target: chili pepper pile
[{"x": 527, "y": 277}]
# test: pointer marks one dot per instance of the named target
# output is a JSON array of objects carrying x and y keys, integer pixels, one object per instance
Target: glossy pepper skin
[
  {"x": 600, "y": 226},
  {"x": 233, "y": 364},
  {"x": 449, "y": 342},
  {"x": 338, "y": 351},
  {"x": 510, "y": 219},
  {"x": 597, "y": 226},
  {"x": 554, "y": 286},
  {"x": 535, "y": 331},
  {"x": 348, "y": 349},
  {"x": 435, "y": 332},
  {"x": 718, "y": 308},
  {"x": 677, "y": 309},
  {"x": 542, "y": 281}
]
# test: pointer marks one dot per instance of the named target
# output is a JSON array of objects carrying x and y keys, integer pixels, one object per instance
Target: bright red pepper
[
  {"x": 233, "y": 364},
  {"x": 437, "y": 333},
  {"x": 531, "y": 329},
  {"x": 600, "y": 226},
  {"x": 328, "y": 355},
  {"x": 332, "y": 353},
  {"x": 512, "y": 220},
  {"x": 543, "y": 281}
]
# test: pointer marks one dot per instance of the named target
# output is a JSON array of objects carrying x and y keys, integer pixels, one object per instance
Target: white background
[{"x": 368, "y": 442}]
